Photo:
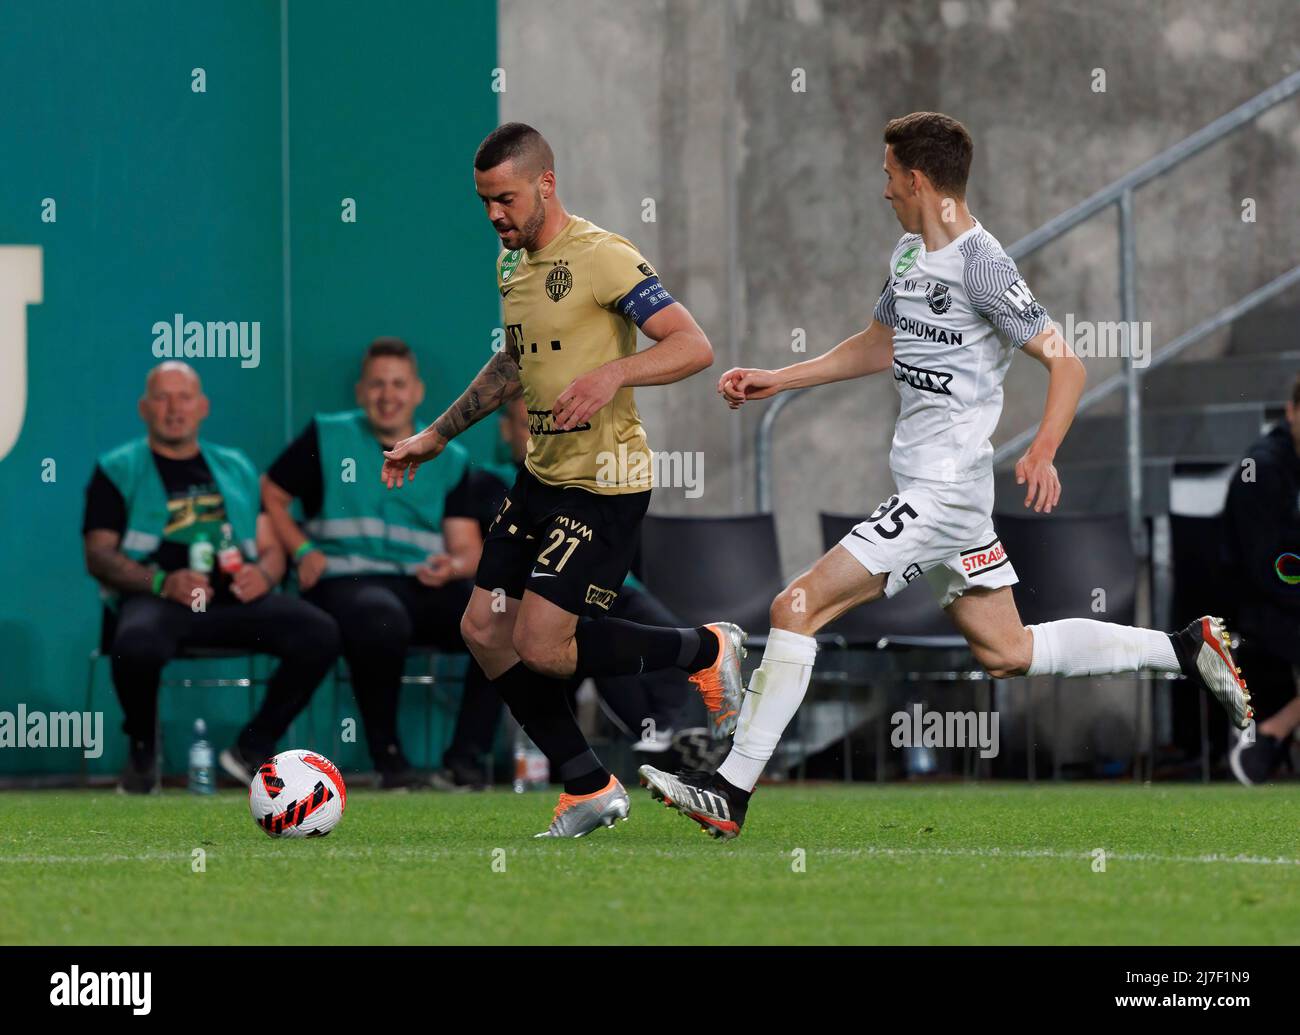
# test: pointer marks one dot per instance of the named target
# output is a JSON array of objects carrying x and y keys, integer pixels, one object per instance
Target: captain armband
[{"x": 644, "y": 300}]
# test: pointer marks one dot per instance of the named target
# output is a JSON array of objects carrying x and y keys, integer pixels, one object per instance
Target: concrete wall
[
  {"x": 675, "y": 100},
  {"x": 659, "y": 99}
]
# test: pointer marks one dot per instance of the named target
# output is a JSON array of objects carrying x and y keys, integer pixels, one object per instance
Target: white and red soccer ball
[{"x": 297, "y": 794}]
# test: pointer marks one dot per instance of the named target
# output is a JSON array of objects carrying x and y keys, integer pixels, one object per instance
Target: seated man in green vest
[
  {"x": 173, "y": 533},
  {"x": 393, "y": 569}
]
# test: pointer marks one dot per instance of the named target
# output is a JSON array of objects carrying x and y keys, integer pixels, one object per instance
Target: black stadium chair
[
  {"x": 1061, "y": 562},
  {"x": 902, "y": 625},
  {"x": 707, "y": 569},
  {"x": 1202, "y": 586}
]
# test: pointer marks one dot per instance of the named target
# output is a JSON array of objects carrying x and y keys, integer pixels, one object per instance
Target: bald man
[{"x": 157, "y": 509}]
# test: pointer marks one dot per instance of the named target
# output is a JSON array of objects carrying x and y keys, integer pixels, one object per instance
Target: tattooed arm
[
  {"x": 496, "y": 383},
  {"x": 107, "y": 563}
]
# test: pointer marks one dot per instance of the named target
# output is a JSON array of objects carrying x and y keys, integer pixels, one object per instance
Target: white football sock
[
  {"x": 1083, "y": 647},
  {"x": 776, "y": 690}
]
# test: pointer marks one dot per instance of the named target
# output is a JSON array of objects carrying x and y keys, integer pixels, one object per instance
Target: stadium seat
[
  {"x": 710, "y": 568},
  {"x": 252, "y": 680},
  {"x": 911, "y": 621},
  {"x": 436, "y": 702},
  {"x": 1201, "y": 586},
  {"x": 1062, "y": 562}
]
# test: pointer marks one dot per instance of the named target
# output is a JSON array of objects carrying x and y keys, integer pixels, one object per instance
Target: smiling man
[
  {"x": 554, "y": 560},
  {"x": 392, "y": 569},
  {"x": 156, "y": 509}
]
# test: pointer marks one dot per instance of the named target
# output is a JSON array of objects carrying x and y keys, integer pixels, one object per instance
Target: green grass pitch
[{"x": 964, "y": 864}]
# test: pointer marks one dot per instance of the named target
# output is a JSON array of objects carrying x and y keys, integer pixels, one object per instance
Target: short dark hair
[
  {"x": 394, "y": 347},
  {"x": 935, "y": 144},
  {"x": 515, "y": 142}
]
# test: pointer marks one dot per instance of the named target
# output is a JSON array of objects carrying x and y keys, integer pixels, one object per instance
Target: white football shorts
[{"x": 942, "y": 530}]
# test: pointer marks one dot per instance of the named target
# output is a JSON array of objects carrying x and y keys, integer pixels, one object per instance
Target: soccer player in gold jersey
[{"x": 561, "y": 544}]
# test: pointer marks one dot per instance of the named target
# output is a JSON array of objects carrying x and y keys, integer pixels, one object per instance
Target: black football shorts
[{"x": 571, "y": 546}]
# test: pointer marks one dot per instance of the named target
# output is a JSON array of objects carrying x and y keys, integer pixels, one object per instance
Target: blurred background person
[
  {"x": 647, "y": 708},
  {"x": 174, "y": 534},
  {"x": 394, "y": 569},
  {"x": 1262, "y": 518}
]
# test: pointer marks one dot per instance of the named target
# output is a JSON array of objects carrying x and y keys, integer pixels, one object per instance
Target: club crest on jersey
[
  {"x": 907, "y": 260},
  {"x": 559, "y": 281},
  {"x": 939, "y": 298},
  {"x": 508, "y": 263}
]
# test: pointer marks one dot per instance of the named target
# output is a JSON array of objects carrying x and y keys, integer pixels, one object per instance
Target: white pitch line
[
  {"x": 1054, "y": 853},
  {"x": 433, "y": 854}
]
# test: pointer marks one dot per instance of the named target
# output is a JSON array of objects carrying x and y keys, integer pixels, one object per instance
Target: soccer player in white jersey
[{"x": 953, "y": 312}]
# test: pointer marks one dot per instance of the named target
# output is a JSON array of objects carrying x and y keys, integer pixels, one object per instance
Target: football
[{"x": 297, "y": 794}]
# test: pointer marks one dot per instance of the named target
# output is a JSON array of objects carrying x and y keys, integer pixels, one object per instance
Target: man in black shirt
[
  {"x": 1262, "y": 515},
  {"x": 172, "y": 532},
  {"x": 392, "y": 570}
]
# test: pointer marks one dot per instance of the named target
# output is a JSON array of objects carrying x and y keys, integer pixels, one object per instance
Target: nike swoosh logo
[
  {"x": 543, "y": 574},
  {"x": 506, "y": 291},
  {"x": 855, "y": 532}
]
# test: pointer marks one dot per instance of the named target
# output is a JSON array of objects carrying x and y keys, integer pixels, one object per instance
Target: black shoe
[
  {"x": 717, "y": 806},
  {"x": 404, "y": 779},
  {"x": 140, "y": 776},
  {"x": 238, "y": 763},
  {"x": 1255, "y": 763},
  {"x": 458, "y": 779}
]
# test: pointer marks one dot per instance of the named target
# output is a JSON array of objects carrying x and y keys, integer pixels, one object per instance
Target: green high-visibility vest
[
  {"x": 365, "y": 528},
  {"x": 132, "y": 470}
]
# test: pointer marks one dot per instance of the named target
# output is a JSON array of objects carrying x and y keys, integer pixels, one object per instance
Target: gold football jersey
[{"x": 562, "y": 318}]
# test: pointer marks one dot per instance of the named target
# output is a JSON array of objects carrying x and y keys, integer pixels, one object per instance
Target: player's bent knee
[
  {"x": 1001, "y": 664},
  {"x": 541, "y": 655},
  {"x": 789, "y": 611}
]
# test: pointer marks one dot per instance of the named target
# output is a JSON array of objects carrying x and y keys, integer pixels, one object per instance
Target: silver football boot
[
  {"x": 702, "y": 797},
  {"x": 579, "y": 815},
  {"x": 721, "y": 684},
  {"x": 1204, "y": 651}
]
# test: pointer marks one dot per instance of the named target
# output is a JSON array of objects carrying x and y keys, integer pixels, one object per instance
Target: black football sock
[
  {"x": 541, "y": 706},
  {"x": 614, "y": 647},
  {"x": 734, "y": 794}
]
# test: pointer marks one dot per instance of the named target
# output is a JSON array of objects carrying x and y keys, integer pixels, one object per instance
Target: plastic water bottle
[
  {"x": 532, "y": 770},
  {"x": 202, "y": 554},
  {"x": 202, "y": 778},
  {"x": 229, "y": 558}
]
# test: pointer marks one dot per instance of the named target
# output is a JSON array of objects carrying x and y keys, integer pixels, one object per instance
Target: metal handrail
[
  {"x": 1120, "y": 194},
  {"x": 1206, "y": 327}
]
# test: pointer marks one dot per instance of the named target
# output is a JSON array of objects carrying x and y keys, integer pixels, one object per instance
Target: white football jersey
[{"x": 958, "y": 316}]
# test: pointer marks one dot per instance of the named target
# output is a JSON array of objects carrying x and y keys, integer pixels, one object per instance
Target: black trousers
[
  {"x": 379, "y": 617},
  {"x": 151, "y": 631},
  {"x": 655, "y": 696}
]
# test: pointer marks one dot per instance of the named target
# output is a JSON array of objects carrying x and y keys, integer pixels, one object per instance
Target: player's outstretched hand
[
  {"x": 584, "y": 396},
  {"x": 740, "y": 384},
  {"x": 1044, "y": 487},
  {"x": 401, "y": 461}
]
